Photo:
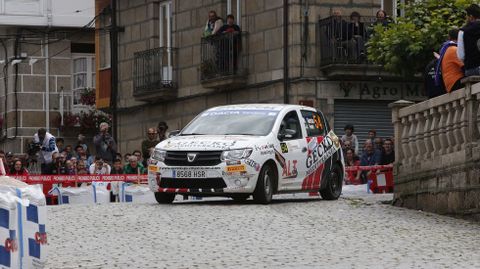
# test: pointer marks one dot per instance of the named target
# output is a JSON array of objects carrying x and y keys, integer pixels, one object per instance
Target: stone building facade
[
  {"x": 43, "y": 47},
  {"x": 169, "y": 34}
]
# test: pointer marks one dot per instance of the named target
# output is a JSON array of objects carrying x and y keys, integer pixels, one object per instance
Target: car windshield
[{"x": 257, "y": 122}]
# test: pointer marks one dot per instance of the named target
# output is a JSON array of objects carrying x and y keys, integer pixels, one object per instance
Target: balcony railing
[
  {"x": 224, "y": 56},
  {"x": 342, "y": 41},
  {"x": 154, "y": 71}
]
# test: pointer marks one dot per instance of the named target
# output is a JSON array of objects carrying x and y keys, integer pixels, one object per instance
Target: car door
[
  {"x": 317, "y": 149},
  {"x": 290, "y": 153}
]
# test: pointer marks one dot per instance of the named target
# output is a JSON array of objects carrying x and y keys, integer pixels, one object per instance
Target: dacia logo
[{"x": 191, "y": 157}]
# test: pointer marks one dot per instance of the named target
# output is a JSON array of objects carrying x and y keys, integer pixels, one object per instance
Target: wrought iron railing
[
  {"x": 342, "y": 41},
  {"x": 154, "y": 69},
  {"x": 224, "y": 56}
]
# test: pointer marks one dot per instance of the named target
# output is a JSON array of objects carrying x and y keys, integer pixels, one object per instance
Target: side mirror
[
  {"x": 286, "y": 134},
  {"x": 173, "y": 133}
]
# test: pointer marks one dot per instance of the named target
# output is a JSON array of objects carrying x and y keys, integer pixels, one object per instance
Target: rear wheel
[
  {"x": 264, "y": 190},
  {"x": 334, "y": 184},
  {"x": 164, "y": 198}
]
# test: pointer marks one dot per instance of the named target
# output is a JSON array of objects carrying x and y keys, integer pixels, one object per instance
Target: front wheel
[
  {"x": 264, "y": 190},
  {"x": 164, "y": 198},
  {"x": 334, "y": 184}
]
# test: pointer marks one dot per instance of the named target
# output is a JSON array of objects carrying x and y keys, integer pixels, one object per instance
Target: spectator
[
  {"x": 356, "y": 35},
  {"x": 370, "y": 157},
  {"x": 18, "y": 169},
  {"x": 349, "y": 136},
  {"x": 118, "y": 155},
  {"x": 138, "y": 154},
  {"x": 213, "y": 24},
  {"x": 134, "y": 166},
  {"x": 68, "y": 151},
  {"x": 9, "y": 160},
  {"x": 117, "y": 168},
  {"x": 81, "y": 168},
  {"x": 3, "y": 159},
  {"x": 378, "y": 145},
  {"x": 46, "y": 142},
  {"x": 58, "y": 167},
  {"x": 381, "y": 18},
  {"x": 229, "y": 50},
  {"x": 431, "y": 87},
  {"x": 351, "y": 159},
  {"x": 388, "y": 156},
  {"x": 126, "y": 157},
  {"x": 69, "y": 168},
  {"x": 372, "y": 134},
  {"x": 82, "y": 155},
  {"x": 162, "y": 131},
  {"x": 99, "y": 167},
  {"x": 338, "y": 29},
  {"x": 449, "y": 69},
  {"x": 81, "y": 142},
  {"x": 105, "y": 145},
  {"x": 60, "y": 143},
  {"x": 468, "y": 37},
  {"x": 346, "y": 146},
  {"x": 149, "y": 144}
]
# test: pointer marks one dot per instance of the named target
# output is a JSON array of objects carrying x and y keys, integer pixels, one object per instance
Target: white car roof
[{"x": 277, "y": 107}]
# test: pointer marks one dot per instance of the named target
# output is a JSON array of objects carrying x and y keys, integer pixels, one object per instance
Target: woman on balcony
[{"x": 213, "y": 24}]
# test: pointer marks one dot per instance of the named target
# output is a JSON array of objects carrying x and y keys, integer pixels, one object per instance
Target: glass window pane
[
  {"x": 80, "y": 81},
  {"x": 79, "y": 65},
  {"x": 77, "y": 94}
]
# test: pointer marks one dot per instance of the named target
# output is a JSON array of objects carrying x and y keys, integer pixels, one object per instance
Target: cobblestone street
[{"x": 293, "y": 232}]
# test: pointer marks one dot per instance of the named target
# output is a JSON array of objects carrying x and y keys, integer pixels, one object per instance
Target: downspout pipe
[
  {"x": 286, "y": 81},
  {"x": 47, "y": 86},
  {"x": 114, "y": 66}
]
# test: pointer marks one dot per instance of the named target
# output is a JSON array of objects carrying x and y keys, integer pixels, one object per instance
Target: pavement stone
[{"x": 295, "y": 231}]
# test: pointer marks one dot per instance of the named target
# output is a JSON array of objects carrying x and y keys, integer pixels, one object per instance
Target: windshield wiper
[
  {"x": 192, "y": 134},
  {"x": 238, "y": 134}
]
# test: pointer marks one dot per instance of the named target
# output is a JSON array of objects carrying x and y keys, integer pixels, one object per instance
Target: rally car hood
[{"x": 208, "y": 142}]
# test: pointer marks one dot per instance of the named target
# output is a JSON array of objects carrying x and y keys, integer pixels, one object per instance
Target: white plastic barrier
[
  {"x": 9, "y": 233},
  {"x": 136, "y": 194},
  {"x": 26, "y": 222},
  {"x": 95, "y": 193},
  {"x": 34, "y": 221}
]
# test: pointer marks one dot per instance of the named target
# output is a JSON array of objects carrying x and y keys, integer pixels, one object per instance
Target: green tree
[{"x": 406, "y": 47}]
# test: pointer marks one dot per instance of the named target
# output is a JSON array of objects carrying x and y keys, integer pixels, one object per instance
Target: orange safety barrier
[{"x": 381, "y": 180}]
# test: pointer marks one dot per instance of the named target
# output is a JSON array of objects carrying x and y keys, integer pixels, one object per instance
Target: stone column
[
  {"x": 471, "y": 105},
  {"x": 397, "y": 125}
]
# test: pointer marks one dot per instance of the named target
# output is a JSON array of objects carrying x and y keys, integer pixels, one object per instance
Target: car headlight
[
  {"x": 236, "y": 154},
  {"x": 159, "y": 155}
]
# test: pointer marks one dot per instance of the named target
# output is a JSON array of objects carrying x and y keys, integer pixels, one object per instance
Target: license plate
[{"x": 189, "y": 174}]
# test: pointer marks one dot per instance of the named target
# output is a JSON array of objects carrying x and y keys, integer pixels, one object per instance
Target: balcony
[
  {"x": 224, "y": 60},
  {"x": 343, "y": 48},
  {"x": 154, "y": 77}
]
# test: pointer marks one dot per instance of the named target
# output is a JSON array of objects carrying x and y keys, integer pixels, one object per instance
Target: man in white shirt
[{"x": 99, "y": 167}]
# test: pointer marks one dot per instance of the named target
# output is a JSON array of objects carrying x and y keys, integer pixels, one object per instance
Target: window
[
  {"x": 166, "y": 39},
  {"x": 234, "y": 8},
  {"x": 313, "y": 123},
  {"x": 291, "y": 122},
  {"x": 83, "y": 79},
  {"x": 104, "y": 36}
]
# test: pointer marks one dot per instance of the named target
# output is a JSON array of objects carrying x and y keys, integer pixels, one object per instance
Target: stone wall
[
  {"x": 31, "y": 91},
  {"x": 438, "y": 154},
  {"x": 263, "y": 22}
]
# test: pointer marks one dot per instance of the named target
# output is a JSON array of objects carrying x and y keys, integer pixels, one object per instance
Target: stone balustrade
[{"x": 437, "y": 154}]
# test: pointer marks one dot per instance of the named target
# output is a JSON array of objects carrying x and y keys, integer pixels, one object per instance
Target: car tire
[
  {"x": 264, "y": 190},
  {"x": 240, "y": 198},
  {"x": 333, "y": 187},
  {"x": 164, "y": 198}
]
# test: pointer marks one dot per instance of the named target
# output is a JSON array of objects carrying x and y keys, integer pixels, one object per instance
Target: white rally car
[{"x": 255, "y": 149}]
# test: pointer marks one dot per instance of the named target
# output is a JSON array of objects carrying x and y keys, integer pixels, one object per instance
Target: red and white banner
[{"x": 58, "y": 179}]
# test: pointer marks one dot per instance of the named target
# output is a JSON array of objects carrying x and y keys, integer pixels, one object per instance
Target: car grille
[
  {"x": 204, "y": 158},
  {"x": 193, "y": 183}
]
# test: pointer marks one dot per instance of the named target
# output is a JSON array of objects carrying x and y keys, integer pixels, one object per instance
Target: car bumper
[{"x": 221, "y": 179}]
